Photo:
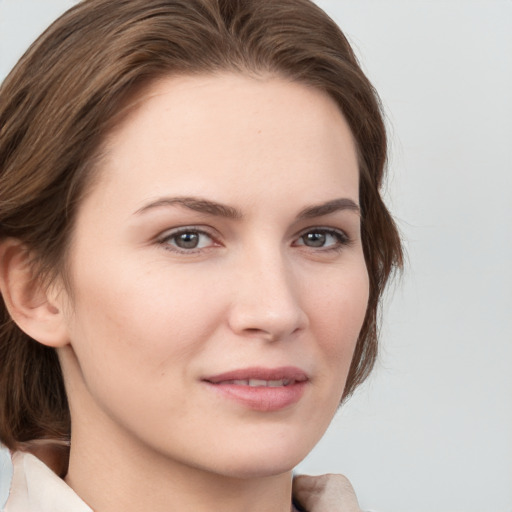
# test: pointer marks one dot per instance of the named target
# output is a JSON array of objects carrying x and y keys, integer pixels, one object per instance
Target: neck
[{"x": 118, "y": 475}]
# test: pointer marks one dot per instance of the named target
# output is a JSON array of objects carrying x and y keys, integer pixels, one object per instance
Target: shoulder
[{"x": 325, "y": 493}]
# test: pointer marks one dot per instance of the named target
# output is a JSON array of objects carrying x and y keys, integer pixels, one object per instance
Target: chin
[
  {"x": 258, "y": 461},
  {"x": 258, "y": 468}
]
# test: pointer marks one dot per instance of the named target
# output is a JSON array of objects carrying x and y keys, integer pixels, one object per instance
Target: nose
[{"x": 266, "y": 299}]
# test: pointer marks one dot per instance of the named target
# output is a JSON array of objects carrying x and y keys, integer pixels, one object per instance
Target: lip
[{"x": 265, "y": 398}]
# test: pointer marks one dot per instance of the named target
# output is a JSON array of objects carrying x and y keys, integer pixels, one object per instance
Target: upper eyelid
[
  {"x": 212, "y": 232},
  {"x": 184, "y": 229},
  {"x": 327, "y": 229}
]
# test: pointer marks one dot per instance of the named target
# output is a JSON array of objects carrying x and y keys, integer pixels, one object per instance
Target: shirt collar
[{"x": 36, "y": 488}]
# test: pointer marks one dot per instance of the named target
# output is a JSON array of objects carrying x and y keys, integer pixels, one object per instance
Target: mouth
[
  {"x": 257, "y": 383},
  {"x": 261, "y": 389}
]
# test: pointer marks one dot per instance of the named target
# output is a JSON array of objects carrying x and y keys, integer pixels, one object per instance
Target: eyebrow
[
  {"x": 221, "y": 210},
  {"x": 335, "y": 205},
  {"x": 197, "y": 204}
]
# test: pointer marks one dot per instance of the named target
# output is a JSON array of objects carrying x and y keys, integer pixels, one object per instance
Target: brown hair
[{"x": 56, "y": 107}]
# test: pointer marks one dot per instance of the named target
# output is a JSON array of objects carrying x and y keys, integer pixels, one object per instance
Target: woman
[{"x": 193, "y": 248}]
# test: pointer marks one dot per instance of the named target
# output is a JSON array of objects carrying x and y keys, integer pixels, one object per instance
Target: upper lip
[{"x": 290, "y": 373}]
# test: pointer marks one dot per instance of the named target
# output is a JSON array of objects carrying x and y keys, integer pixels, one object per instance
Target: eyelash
[
  {"x": 342, "y": 240},
  {"x": 174, "y": 234}
]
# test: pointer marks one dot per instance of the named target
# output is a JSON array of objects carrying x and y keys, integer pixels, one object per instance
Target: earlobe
[{"x": 34, "y": 308}]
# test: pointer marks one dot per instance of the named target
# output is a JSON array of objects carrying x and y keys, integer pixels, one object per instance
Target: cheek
[
  {"x": 337, "y": 317},
  {"x": 134, "y": 341},
  {"x": 132, "y": 326},
  {"x": 339, "y": 311}
]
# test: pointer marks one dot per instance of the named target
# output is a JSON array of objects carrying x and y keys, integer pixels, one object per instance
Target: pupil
[
  {"x": 315, "y": 239},
  {"x": 187, "y": 240}
]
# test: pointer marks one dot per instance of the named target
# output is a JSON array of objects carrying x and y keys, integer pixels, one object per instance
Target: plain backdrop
[{"x": 431, "y": 431}]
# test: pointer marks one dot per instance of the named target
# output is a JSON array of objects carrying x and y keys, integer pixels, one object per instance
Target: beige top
[{"x": 36, "y": 488}]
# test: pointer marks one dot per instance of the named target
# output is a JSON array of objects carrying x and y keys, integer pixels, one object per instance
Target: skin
[{"x": 146, "y": 321}]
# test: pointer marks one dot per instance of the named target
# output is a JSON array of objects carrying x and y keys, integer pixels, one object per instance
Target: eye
[
  {"x": 186, "y": 239},
  {"x": 323, "y": 238}
]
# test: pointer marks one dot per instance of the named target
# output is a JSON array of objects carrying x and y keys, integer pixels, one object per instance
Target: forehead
[
  {"x": 211, "y": 98},
  {"x": 232, "y": 129}
]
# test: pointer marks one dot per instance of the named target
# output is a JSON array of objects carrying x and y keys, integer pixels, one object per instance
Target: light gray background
[{"x": 432, "y": 429}]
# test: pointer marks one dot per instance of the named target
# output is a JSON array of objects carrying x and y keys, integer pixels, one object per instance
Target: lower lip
[{"x": 262, "y": 398}]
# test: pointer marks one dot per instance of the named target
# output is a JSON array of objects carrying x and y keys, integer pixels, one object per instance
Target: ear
[{"x": 35, "y": 309}]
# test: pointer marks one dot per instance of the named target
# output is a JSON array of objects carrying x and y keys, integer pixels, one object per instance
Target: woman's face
[{"x": 218, "y": 278}]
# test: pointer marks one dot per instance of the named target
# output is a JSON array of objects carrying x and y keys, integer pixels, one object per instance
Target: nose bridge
[{"x": 267, "y": 299}]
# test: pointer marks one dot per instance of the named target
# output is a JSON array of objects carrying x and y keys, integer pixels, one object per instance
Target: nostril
[
  {"x": 270, "y": 334},
  {"x": 253, "y": 332}
]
